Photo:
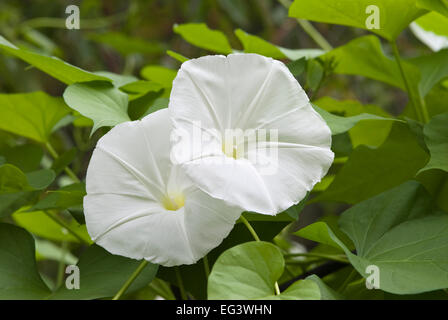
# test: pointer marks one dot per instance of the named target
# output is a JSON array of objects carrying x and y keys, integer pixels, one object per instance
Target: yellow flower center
[{"x": 173, "y": 202}]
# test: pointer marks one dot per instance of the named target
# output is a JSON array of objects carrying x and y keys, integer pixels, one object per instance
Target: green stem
[
  {"x": 415, "y": 97},
  {"x": 338, "y": 258},
  {"x": 61, "y": 265},
  {"x": 180, "y": 283},
  {"x": 249, "y": 227},
  {"x": 131, "y": 279},
  {"x": 65, "y": 226},
  {"x": 310, "y": 30},
  {"x": 206, "y": 266},
  {"x": 67, "y": 170}
]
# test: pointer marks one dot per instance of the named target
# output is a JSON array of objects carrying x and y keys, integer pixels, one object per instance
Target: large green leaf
[
  {"x": 440, "y": 6},
  {"x": 364, "y": 56},
  {"x": 53, "y": 66},
  {"x": 99, "y": 101},
  {"x": 32, "y": 115},
  {"x": 102, "y": 274},
  {"x": 43, "y": 224},
  {"x": 19, "y": 278},
  {"x": 199, "y": 35},
  {"x": 27, "y": 157},
  {"x": 254, "y": 44},
  {"x": 193, "y": 276},
  {"x": 398, "y": 232},
  {"x": 370, "y": 171},
  {"x": 394, "y": 16},
  {"x": 250, "y": 270},
  {"x": 436, "y": 137}
]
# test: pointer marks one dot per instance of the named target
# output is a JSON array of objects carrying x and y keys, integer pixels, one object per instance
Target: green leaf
[
  {"x": 400, "y": 233},
  {"x": 11, "y": 202},
  {"x": 177, "y": 56},
  {"x": 43, "y": 225},
  {"x": 433, "y": 69},
  {"x": 26, "y": 157},
  {"x": 53, "y": 66},
  {"x": 364, "y": 56},
  {"x": 340, "y": 125},
  {"x": 394, "y": 16},
  {"x": 254, "y": 44},
  {"x": 32, "y": 115},
  {"x": 194, "y": 279},
  {"x": 368, "y": 132},
  {"x": 118, "y": 80},
  {"x": 64, "y": 198},
  {"x": 64, "y": 160},
  {"x": 125, "y": 44},
  {"x": 103, "y": 274},
  {"x": 370, "y": 171},
  {"x": 436, "y": 137},
  {"x": 19, "y": 278},
  {"x": 105, "y": 105},
  {"x": 12, "y": 179},
  {"x": 250, "y": 270},
  {"x": 199, "y": 35},
  {"x": 160, "y": 75},
  {"x": 326, "y": 292},
  {"x": 440, "y": 6}
]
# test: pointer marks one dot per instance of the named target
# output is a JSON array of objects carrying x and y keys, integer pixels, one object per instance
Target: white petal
[
  {"x": 434, "y": 41},
  {"x": 128, "y": 176},
  {"x": 249, "y": 91}
]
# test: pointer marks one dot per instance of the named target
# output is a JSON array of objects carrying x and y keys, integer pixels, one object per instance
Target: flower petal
[
  {"x": 128, "y": 177},
  {"x": 251, "y": 92}
]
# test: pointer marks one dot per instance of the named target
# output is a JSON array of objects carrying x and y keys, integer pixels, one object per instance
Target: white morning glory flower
[
  {"x": 227, "y": 97},
  {"x": 140, "y": 206},
  {"x": 432, "y": 30}
]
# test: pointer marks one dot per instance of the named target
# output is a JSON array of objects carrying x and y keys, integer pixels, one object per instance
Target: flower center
[
  {"x": 173, "y": 202},
  {"x": 230, "y": 149}
]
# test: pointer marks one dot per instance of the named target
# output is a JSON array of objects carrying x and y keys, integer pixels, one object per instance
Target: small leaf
[
  {"x": 160, "y": 75},
  {"x": 199, "y": 35},
  {"x": 12, "y": 179},
  {"x": 105, "y": 105}
]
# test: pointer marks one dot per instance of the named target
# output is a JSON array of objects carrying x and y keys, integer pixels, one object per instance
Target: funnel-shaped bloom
[
  {"x": 253, "y": 138},
  {"x": 140, "y": 206}
]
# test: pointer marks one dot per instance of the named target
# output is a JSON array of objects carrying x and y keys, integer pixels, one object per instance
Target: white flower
[
  {"x": 140, "y": 206},
  {"x": 432, "y": 30},
  {"x": 244, "y": 92}
]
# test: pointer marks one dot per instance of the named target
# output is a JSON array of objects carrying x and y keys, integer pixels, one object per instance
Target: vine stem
[
  {"x": 65, "y": 226},
  {"x": 131, "y": 279},
  {"x": 337, "y": 258},
  {"x": 310, "y": 29},
  {"x": 257, "y": 238},
  {"x": 250, "y": 228},
  {"x": 415, "y": 97},
  {"x": 180, "y": 283},
  {"x": 67, "y": 170}
]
